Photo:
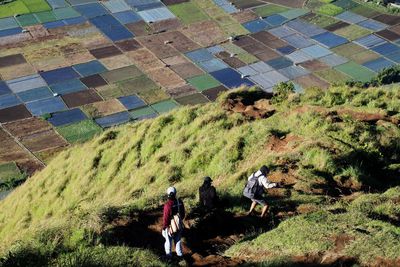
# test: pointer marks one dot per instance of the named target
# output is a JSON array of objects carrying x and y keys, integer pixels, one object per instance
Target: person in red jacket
[{"x": 172, "y": 207}]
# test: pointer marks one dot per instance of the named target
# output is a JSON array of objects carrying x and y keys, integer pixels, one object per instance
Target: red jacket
[{"x": 171, "y": 208}]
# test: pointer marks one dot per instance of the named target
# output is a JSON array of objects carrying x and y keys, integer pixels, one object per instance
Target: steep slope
[{"x": 320, "y": 146}]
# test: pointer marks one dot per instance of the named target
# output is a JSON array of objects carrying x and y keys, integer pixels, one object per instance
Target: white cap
[{"x": 171, "y": 190}]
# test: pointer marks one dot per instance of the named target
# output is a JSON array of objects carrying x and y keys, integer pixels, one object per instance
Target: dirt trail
[
  {"x": 204, "y": 242},
  {"x": 207, "y": 238}
]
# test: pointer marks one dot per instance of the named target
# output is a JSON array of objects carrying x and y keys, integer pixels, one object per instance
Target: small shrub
[
  {"x": 3, "y": 2},
  {"x": 46, "y": 116},
  {"x": 282, "y": 91},
  {"x": 384, "y": 77},
  {"x": 13, "y": 182},
  {"x": 388, "y": 75}
]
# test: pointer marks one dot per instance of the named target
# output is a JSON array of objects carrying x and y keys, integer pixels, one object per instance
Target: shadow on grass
[
  {"x": 340, "y": 262},
  {"x": 135, "y": 231},
  {"x": 248, "y": 97}
]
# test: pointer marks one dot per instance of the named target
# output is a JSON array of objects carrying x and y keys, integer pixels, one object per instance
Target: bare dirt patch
[
  {"x": 145, "y": 60},
  {"x": 42, "y": 141},
  {"x": 187, "y": 70},
  {"x": 166, "y": 78},
  {"x": 14, "y": 113},
  {"x": 311, "y": 81},
  {"x": 104, "y": 108},
  {"x": 27, "y": 127},
  {"x": 205, "y": 33},
  {"x": 10, "y": 150},
  {"x": 30, "y": 166},
  {"x": 280, "y": 144},
  {"x": 81, "y": 98},
  {"x": 362, "y": 116},
  {"x": 245, "y": 16},
  {"x": 165, "y": 25},
  {"x": 116, "y": 62},
  {"x": 258, "y": 110}
]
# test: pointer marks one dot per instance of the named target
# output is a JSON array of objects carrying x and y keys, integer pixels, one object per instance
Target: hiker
[
  {"x": 208, "y": 195},
  {"x": 254, "y": 189},
  {"x": 174, "y": 213}
]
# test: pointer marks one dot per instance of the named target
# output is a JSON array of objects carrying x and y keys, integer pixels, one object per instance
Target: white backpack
[{"x": 176, "y": 224}]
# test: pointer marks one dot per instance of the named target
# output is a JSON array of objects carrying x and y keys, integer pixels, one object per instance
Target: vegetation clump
[
  {"x": 384, "y": 77},
  {"x": 282, "y": 91}
]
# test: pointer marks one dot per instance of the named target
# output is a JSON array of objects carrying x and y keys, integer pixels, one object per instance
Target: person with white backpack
[
  {"x": 254, "y": 189},
  {"x": 174, "y": 213}
]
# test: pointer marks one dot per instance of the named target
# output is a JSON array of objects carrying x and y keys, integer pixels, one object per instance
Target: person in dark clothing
[
  {"x": 208, "y": 195},
  {"x": 173, "y": 207}
]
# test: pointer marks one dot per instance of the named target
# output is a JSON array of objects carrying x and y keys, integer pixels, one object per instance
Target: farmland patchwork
[{"x": 70, "y": 68}]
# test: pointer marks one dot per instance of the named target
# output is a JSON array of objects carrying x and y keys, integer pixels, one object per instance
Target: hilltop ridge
[{"x": 333, "y": 152}]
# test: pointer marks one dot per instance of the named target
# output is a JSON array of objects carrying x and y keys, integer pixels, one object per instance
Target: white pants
[{"x": 168, "y": 243}]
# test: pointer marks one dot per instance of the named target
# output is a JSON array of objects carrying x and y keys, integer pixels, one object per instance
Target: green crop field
[
  {"x": 8, "y": 171},
  {"x": 352, "y": 32},
  {"x": 79, "y": 132},
  {"x": 330, "y": 10},
  {"x": 203, "y": 82},
  {"x": 270, "y": 9},
  {"x": 188, "y": 12}
]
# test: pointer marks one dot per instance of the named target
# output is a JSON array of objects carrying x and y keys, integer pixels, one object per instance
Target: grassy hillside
[{"x": 321, "y": 146}]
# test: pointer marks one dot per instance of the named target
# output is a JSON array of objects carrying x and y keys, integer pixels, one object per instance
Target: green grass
[
  {"x": 320, "y": 229},
  {"x": 79, "y": 132},
  {"x": 203, "y": 82},
  {"x": 353, "y": 32},
  {"x": 267, "y": 10},
  {"x": 43, "y": 254},
  {"x": 62, "y": 208},
  {"x": 330, "y": 10},
  {"x": 188, "y": 12},
  {"x": 108, "y": 256}
]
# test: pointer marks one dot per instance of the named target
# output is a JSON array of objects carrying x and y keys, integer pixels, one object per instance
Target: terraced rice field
[{"x": 71, "y": 68}]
